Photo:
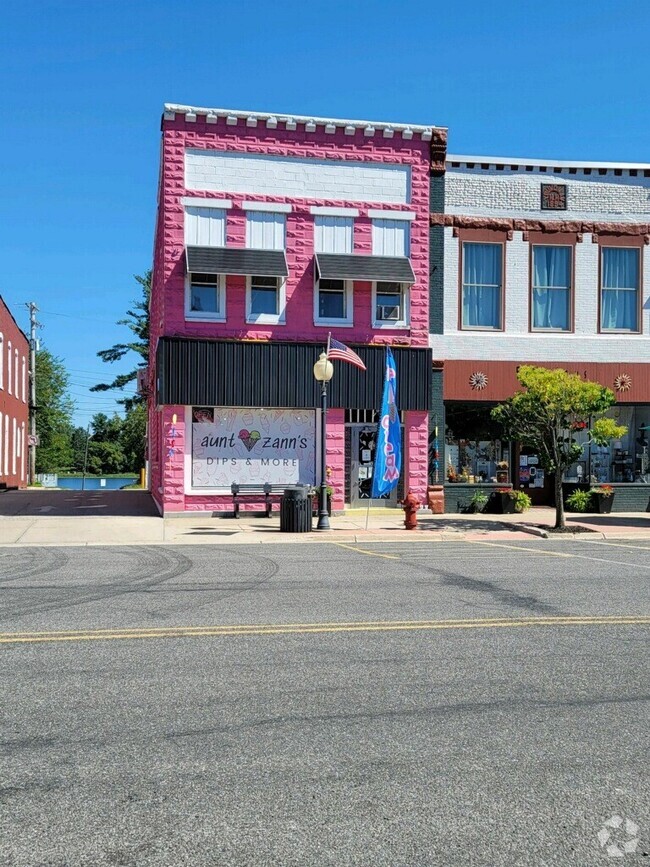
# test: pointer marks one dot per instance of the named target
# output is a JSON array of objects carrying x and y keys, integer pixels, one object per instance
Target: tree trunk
[{"x": 559, "y": 502}]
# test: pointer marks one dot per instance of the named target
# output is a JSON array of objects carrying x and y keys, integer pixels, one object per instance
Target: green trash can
[{"x": 296, "y": 510}]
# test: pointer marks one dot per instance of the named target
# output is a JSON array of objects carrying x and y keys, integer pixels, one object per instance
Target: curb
[{"x": 532, "y": 531}]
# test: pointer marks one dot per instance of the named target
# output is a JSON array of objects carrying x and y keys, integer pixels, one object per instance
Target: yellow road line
[
  {"x": 369, "y": 553},
  {"x": 309, "y": 628}
]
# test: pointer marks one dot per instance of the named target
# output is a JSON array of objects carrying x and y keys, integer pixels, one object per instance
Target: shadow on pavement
[
  {"x": 610, "y": 521},
  {"x": 62, "y": 504}
]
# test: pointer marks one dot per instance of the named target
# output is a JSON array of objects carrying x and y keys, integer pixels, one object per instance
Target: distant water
[{"x": 95, "y": 483}]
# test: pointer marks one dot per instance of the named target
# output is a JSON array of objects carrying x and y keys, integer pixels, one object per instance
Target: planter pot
[
  {"x": 502, "y": 476},
  {"x": 503, "y": 504},
  {"x": 436, "y": 499},
  {"x": 328, "y": 503},
  {"x": 602, "y": 505}
]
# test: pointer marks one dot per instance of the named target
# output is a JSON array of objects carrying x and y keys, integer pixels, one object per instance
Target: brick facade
[
  {"x": 14, "y": 401},
  {"x": 368, "y": 166}
]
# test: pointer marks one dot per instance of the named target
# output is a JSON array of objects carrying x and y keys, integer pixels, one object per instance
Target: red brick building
[{"x": 14, "y": 407}]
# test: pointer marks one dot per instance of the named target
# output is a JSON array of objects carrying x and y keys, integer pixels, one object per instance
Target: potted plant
[
  {"x": 521, "y": 500},
  {"x": 503, "y": 501},
  {"x": 579, "y": 501},
  {"x": 602, "y": 498},
  {"x": 502, "y": 471},
  {"x": 478, "y": 502}
]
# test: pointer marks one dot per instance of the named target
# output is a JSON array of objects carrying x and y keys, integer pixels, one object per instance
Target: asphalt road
[{"x": 387, "y": 704}]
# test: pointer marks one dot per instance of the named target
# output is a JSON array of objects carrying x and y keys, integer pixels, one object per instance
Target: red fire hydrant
[{"x": 410, "y": 504}]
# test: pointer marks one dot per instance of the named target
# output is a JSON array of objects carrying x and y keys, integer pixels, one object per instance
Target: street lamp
[{"x": 323, "y": 372}]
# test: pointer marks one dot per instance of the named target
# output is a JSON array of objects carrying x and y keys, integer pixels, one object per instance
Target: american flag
[{"x": 340, "y": 352}]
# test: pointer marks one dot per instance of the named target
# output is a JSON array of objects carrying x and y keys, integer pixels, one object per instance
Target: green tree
[
  {"x": 78, "y": 438},
  {"x": 133, "y": 438},
  {"x": 137, "y": 320},
  {"x": 54, "y": 410},
  {"x": 546, "y": 415},
  {"x": 105, "y": 453}
]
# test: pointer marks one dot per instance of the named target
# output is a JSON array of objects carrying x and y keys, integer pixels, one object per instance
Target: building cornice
[
  {"x": 291, "y": 122},
  {"x": 516, "y": 164},
  {"x": 510, "y": 224}
]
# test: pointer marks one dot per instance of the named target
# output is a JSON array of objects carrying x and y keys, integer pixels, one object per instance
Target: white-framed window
[
  {"x": 265, "y": 300},
  {"x": 14, "y": 450},
  {"x": 481, "y": 301},
  {"x": 6, "y": 446},
  {"x": 205, "y": 227},
  {"x": 24, "y": 380},
  {"x": 333, "y": 234},
  {"x": 2, "y": 443},
  {"x": 390, "y": 302},
  {"x": 265, "y": 231},
  {"x": 333, "y": 302},
  {"x": 551, "y": 288},
  {"x": 2, "y": 360},
  {"x": 205, "y": 297},
  {"x": 16, "y": 374},
  {"x": 9, "y": 373},
  {"x": 390, "y": 237},
  {"x": 619, "y": 289}
]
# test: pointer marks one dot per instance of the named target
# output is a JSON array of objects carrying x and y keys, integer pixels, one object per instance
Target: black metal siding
[{"x": 225, "y": 373}]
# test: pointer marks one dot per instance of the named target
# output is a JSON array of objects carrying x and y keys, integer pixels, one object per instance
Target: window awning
[
  {"x": 233, "y": 260},
  {"x": 339, "y": 266}
]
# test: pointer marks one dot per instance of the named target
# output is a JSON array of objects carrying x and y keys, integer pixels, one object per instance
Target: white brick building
[{"x": 549, "y": 263}]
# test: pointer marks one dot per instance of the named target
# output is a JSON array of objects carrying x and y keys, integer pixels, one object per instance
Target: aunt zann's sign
[{"x": 252, "y": 446}]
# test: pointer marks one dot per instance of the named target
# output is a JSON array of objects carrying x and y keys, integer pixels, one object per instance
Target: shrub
[
  {"x": 478, "y": 502},
  {"x": 603, "y": 490},
  {"x": 522, "y": 500},
  {"x": 579, "y": 501}
]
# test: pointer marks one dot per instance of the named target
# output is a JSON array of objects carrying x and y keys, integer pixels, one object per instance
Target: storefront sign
[{"x": 252, "y": 446}]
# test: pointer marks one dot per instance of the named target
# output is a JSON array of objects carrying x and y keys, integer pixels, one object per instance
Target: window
[
  {"x": 333, "y": 234},
  {"x": 265, "y": 231},
  {"x": 205, "y": 297},
  {"x": 390, "y": 237},
  {"x": 266, "y": 300},
  {"x": 390, "y": 305},
  {"x": 24, "y": 381},
  {"x": 551, "y": 299},
  {"x": 619, "y": 294},
  {"x": 9, "y": 376},
  {"x": 333, "y": 302},
  {"x": 481, "y": 295},
  {"x": 2, "y": 360},
  {"x": 205, "y": 227},
  {"x": 16, "y": 374}
]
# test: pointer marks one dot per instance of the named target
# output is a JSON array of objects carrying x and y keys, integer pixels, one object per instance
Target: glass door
[{"x": 363, "y": 446}]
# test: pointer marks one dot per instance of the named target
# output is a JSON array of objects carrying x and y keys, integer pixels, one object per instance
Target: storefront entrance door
[{"x": 362, "y": 456}]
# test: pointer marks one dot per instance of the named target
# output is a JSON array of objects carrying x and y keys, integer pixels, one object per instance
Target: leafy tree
[
  {"x": 54, "y": 410},
  {"x": 78, "y": 438},
  {"x": 137, "y": 320},
  {"x": 133, "y": 437},
  {"x": 546, "y": 415},
  {"x": 105, "y": 453}
]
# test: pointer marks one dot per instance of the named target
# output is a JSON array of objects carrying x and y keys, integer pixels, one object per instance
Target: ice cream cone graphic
[{"x": 249, "y": 438}]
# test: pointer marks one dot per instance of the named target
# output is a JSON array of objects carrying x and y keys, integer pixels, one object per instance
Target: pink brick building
[{"x": 273, "y": 231}]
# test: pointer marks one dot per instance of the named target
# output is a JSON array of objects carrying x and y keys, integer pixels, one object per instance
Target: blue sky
[{"x": 83, "y": 85}]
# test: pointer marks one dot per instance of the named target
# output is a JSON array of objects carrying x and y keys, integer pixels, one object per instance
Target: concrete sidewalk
[{"x": 127, "y": 518}]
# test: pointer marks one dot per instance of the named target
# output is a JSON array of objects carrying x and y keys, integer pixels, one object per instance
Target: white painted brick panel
[
  {"x": 489, "y": 192},
  {"x": 294, "y": 177}
]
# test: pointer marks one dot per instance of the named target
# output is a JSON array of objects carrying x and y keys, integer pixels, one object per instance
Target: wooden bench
[{"x": 256, "y": 493}]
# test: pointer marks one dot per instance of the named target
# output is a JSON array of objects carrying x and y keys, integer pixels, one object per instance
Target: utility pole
[{"x": 33, "y": 325}]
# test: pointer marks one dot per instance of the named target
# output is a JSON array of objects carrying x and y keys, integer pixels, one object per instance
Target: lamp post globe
[{"x": 323, "y": 372}]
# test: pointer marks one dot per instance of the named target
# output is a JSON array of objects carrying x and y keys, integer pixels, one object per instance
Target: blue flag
[{"x": 388, "y": 454}]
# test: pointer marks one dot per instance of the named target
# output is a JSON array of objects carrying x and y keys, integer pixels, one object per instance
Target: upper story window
[
  {"x": 619, "y": 288},
  {"x": 390, "y": 305},
  {"x": 333, "y": 234},
  {"x": 266, "y": 300},
  {"x": 16, "y": 374},
  {"x": 551, "y": 288},
  {"x": 24, "y": 380},
  {"x": 482, "y": 286},
  {"x": 9, "y": 374},
  {"x": 2, "y": 360},
  {"x": 265, "y": 231},
  {"x": 205, "y": 227},
  {"x": 205, "y": 297},
  {"x": 390, "y": 237}
]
